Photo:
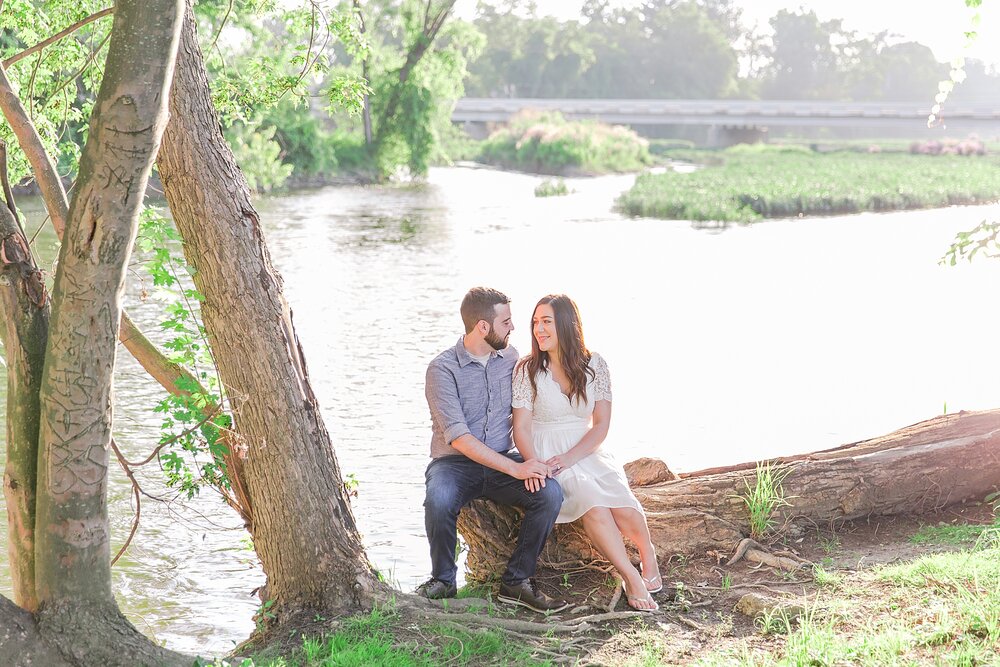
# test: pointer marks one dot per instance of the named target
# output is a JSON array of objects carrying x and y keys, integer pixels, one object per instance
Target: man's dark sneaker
[
  {"x": 527, "y": 595},
  {"x": 435, "y": 589}
]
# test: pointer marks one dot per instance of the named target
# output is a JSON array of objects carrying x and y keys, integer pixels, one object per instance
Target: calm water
[{"x": 724, "y": 346}]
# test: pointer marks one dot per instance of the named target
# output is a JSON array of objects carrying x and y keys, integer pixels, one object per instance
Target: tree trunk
[
  {"x": 73, "y": 571},
  {"x": 303, "y": 528},
  {"x": 366, "y": 107},
  {"x": 24, "y": 306},
  {"x": 21, "y": 644},
  {"x": 920, "y": 468}
]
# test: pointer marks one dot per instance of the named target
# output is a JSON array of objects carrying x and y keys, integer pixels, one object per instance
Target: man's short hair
[{"x": 480, "y": 304}]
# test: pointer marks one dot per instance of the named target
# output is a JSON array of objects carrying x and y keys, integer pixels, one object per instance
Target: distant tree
[
  {"x": 528, "y": 56},
  {"x": 804, "y": 62},
  {"x": 896, "y": 72},
  {"x": 662, "y": 48}
]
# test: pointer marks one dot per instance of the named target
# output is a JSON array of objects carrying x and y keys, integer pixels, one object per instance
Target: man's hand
[
  {"x": 531, "y": 469},
  {"x": 533, "y": 484}
]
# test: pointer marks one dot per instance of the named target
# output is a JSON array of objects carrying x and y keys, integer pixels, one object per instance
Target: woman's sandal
[
  {"x": 652, "y": 581},
  {"x": 629, "y": 599}
]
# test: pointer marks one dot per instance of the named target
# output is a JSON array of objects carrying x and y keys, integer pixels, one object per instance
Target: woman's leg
[
  {"x": 601, "y": 528},
  {"x": 632, "y": 524}
]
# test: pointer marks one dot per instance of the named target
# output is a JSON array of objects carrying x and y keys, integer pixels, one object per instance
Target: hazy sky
[{"x": 940, "y": 24}]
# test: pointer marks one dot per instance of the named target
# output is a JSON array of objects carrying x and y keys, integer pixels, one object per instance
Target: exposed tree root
[
  {"x": 76, "y": 636},
  {"x": 753, "y": 550},
  {"x": 430, "y": 610}
]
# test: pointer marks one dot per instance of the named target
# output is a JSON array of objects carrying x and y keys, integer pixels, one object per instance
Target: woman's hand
[{"x": 560, "y": 462}]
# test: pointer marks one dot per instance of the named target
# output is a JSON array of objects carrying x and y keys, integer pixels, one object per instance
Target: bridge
[{"x": 737, "y": 115}]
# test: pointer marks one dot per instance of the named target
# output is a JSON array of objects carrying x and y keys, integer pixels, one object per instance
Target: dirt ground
[
  {"x": 699, "y": 607},
  {"x": 703, "y": 616}
]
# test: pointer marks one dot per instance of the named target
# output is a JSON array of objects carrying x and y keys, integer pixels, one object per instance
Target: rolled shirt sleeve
[
  {"x": 446, "y": 408},
  {"x": 466, "y": 398}
]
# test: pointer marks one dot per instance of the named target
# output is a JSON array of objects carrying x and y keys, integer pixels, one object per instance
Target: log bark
[
  {"x": 920, "y": 468},
  {"x": 303, "y": 528}
]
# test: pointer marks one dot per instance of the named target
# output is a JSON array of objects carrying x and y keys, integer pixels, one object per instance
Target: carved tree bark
[
  {"x": 303, "y": 528},
  {"x": 77, "y": 609},
  {"x": 169, "y": 374},
  {"x": 919, "y": 468}
]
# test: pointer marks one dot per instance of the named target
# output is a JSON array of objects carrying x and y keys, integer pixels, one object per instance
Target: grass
[
  {"x": 947, "y": 534},
  {"x": 546, "y": 143},
  {"x": 379, "y": 639},
  {"x": 824, "y": 577},
  {"x": 750, "y": 183},
  {"x": 955, "y": 534},
  {"x": 764, "y": 497}
]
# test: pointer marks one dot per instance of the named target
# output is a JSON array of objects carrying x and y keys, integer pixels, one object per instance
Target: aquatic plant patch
[{"x": 753, "y": 183}]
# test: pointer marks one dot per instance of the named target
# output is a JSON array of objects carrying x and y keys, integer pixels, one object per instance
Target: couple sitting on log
[{"x": 556, "y": 403}]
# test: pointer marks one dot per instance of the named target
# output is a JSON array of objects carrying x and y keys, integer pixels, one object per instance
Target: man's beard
[{"x": 495, "y": 341}]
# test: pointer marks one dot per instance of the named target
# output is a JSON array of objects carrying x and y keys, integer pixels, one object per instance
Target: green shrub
[
  {"x": 305, "y": 144},
  {"x": 258, "y": 155},
  {"x": 547, "y": 143},
  {"x": 551, "y": 187}
]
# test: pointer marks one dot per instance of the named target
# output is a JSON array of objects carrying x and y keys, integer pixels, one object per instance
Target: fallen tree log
[{"x": 920, "y": 468}]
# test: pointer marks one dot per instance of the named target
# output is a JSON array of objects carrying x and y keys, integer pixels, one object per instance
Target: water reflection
[{"x": 781, "y": 337}]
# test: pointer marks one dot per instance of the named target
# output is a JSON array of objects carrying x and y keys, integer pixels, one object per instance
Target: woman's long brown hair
[{"x": 573, "y": 353}]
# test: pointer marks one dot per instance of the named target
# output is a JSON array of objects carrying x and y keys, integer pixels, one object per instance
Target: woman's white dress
[{"x": 557, "y": 425}]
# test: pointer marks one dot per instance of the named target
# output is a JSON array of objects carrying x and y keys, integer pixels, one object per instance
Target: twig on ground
[
  {"x": 616, "y": 597},
  {"x": 691, "y": 624}
]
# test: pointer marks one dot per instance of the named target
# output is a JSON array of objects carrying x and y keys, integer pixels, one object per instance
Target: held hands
[{"x": 533, "y": 472}]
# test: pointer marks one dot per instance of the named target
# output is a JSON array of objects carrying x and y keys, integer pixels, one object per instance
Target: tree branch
[
  {"x": 56, "y": 37},
  {"x": 44, "y": 170},
  {"x": 77, "y": 73},
  {"x": 136, "y": 490}
]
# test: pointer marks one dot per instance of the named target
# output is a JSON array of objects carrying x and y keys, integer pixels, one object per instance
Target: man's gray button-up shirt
[{"x": 466, "y": 398}]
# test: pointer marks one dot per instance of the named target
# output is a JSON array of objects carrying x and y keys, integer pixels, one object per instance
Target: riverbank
[
  {"x": 749, "y": 183},
  {"x": 918, "y": 590}
]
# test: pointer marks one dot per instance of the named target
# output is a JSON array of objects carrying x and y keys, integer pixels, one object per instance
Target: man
[{"x": 469, "y": 393}]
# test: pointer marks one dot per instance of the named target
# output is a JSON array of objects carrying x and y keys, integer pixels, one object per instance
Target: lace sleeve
[
  {"x": 602, "y": 381},
  {"x": 521, "y": 390}
]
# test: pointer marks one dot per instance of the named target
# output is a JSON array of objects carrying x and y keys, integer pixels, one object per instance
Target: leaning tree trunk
[
  {"x": 303, "y": 528},
  {"x": 920, "y": 468},
  {"x": 24, "y": 307},
  {"x": 77, "y": 610}
]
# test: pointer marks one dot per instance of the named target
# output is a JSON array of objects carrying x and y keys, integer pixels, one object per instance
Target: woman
[{"x": 562, "y": 411}]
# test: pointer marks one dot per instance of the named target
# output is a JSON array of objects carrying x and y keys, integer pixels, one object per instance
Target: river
[{"x": 725, "y": 345}]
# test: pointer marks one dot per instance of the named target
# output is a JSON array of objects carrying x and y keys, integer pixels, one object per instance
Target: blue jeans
[{"x": 455, "y": 481}]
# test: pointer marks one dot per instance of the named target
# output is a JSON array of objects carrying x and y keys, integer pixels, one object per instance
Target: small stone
[
  {"x": 648, "y": 471},
  {"x": 755, "y": 606}
]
